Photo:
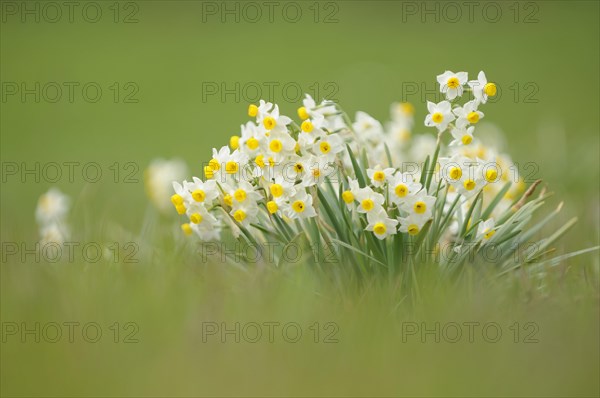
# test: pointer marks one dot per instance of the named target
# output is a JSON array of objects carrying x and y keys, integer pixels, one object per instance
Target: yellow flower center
[
  {"x": 208, "y": 172},
  {"x": 180, "y": 209},
  {"x": 466, "y": 139},
  {"x": 307, "y": 126},
  {"x": 276, "y": 190},
  {"x": 490, "y": 89},
  {"x": 302, "y": 113},
  {"x": 469, "y": 185},
  {"x": 453, "y": 82},
  {"x": 239, "y": 215},
  {"x": 298, "y": 206},
  {"x": 379, "y": 228},
  {"x": 413, "y": 229},
  {"x": 228, "y": 199},
  {"x": 437, "y": 117},
  {"x": 239, "y": 195},
  {"x": 234, "y": 142},
  {"x": 271, "y": 161},
  {"x": 272, "y": 207},
  {"x": 473, "y": 117},
  {"x": 298, "y": 168},
  {"x": 379, "y": 176},
  {"x": 199, "y": 195},
  {"x": 196, "y": 218},
  {"x": 252, "y": 143},
  {"x": 420, "y": 207},
  {"x": 269, "y": 123},
  {"x": 275, "y": 146},
  {"x": 491, "y": 175},
  {"x": 401, "y": 190},
  {"x": 368, "y": 204},
  {"x": 252, "y": 110},
  {"x": 407, "y": 108},
  {"x": 348, "y": 197},
  {"x": 186, "y": 228},
  {"x": 324, "y": 147},
  {"x": 214, "y": 164},
  {"x": 260, "y": 161},
  {"x": 316, "y": 173},
  {"x": 455, "y": 173},
  {"x": 489, "y": 234},
  {"x": 176, "y": 200},
  {"x": 231, "y": 167}
]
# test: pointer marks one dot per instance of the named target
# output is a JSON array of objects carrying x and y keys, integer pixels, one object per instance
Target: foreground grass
[{"x": 171, "y": 301}]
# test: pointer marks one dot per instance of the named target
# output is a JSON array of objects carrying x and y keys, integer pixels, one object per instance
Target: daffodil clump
[{"x": 370, "y": 192}]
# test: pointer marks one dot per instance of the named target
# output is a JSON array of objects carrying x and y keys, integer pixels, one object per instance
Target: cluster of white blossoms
[
  {"x": 274, "y": 172},
  {"x": 51, "y": 216}
]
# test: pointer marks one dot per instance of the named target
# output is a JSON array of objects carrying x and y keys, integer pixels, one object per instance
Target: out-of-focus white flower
[
  {"x": 485, "y": 230},
  {"x": 158, "y": 180},
  {"x": 54, "y": 232},
  {"x": 52, "y": 207}
]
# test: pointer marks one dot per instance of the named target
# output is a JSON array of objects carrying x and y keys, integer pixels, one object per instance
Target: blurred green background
[{"x": 163, "y": 55}]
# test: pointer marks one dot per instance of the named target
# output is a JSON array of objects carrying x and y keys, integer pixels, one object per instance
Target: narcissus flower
[
  {"x": 381, "y": 225},
  {"x": 482, "y": 89},
  {"x": 440, "y": 115},
  {"x": 452, "y": 83},
  {"x": 301, "y": 206},
  {"x": 379, "y": 176}
]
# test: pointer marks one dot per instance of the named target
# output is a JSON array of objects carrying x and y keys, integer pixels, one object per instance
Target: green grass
[{"x": 169, "y": 293}]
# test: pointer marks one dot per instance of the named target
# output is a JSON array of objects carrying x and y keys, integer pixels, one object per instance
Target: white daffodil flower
[
  {"x": 401, "y": 187},
  {"x": 281, "y": 189},
  {"x": 319, "y": 168},
  {"x": 379, "y": 176},
  {"x": 485, "y": 230},
  {"x": 482, "y": 89},
  {"x": 412, "y": 224},
  {"x": 452, "y": 83},
  {"x": 202, "y": 222},
  {"x": 202, "y": 192},
  {"x": 461, "y": 135},
  {"x": 467, "y": 114},
  {"x": 420, "y": 204},
  {"x": 368, "y": 200},
  {"x": 328, "y": 147},
  {"x": 440, "y": 115},
  {"x": 381, "y": 225},
  {"x": 244, "y": 212},
  {"x": 300, "y": 206}
]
